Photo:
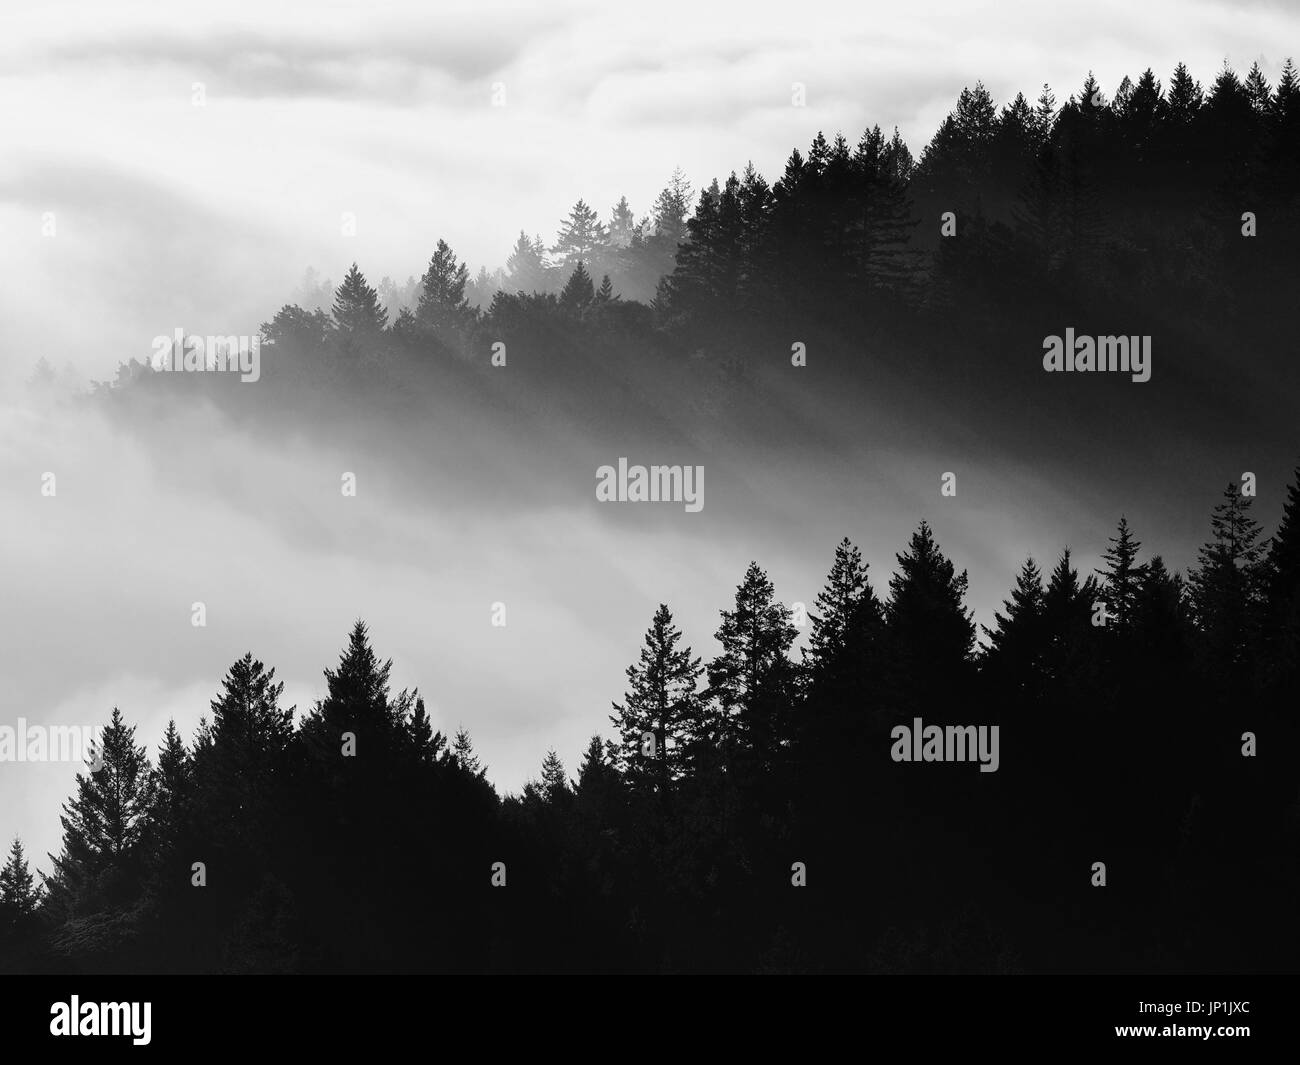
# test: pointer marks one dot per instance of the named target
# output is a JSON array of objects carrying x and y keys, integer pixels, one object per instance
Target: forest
[{"x": 742, "y": 812}]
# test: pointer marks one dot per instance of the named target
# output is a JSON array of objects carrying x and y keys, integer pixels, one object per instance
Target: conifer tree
[
  {"x": 578, "y": 291},
  {"x": 1121, "y": 577},
  {"x": 930, "y": 633},
  {"x": 1226, "y": 585},
  {"x": 555, "y": 785},
  {"x": 463, "y": 751},
  {"x": 753, "y": 679},
  {"x": 443, "y": 304},
  {"x": 659, "y": 718},
  {"x": 357, "y": 703},
  {"x": 106, "y": 822},
  {"x": 526, "y": 266},
  {"x": 1015, "y": 642},
  {"x": 840, "y": 605},
  {"x": 18, "y": 894},
  {"x": 357, "y": 310},
  {"x": 622, "y": 224},
  {"x": 173, "y": 789},
  {"x": 580, "y": 236}
]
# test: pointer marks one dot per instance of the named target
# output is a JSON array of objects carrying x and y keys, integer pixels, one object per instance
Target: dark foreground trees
[{"x": 747, "y": 815}]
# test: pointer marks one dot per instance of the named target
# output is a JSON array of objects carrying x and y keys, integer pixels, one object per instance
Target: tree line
[{"x": 1148, "y": 723}]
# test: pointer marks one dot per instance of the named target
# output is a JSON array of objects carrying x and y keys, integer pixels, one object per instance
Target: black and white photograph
[{"x": 572, "y": 489}]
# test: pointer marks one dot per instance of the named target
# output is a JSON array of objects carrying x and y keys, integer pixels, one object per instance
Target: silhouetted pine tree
[
  {"x": 753, "y": 680},
  {"x": 659, "y": 721},
  {"x": 929, "y": 631},
  {"x": 1121, "y": 578},
  {"x": 1226, "y": 587},
  {"x": 1014, "y": 658},
  {"x": 463, "y": 751},
  {"x": 578, "y": 291}
]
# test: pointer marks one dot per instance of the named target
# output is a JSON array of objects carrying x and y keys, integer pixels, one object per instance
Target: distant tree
[
  {"x": 578, "y": 291},
  {"x": 443, "y": 304},
  {"x": 671, "y": 208},
  {"x": 526, "y": 266},
  {"x": 622, "y": 224},
  {"x": 357, "y": 310},
  {"x": 580, "y": 236}
]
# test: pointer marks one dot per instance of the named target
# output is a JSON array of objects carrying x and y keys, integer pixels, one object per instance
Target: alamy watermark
[
  {"x": 946, "y": 743},
  {"x": 1131, "y": 355},
  {"x": 51, "y": 743},
  {"x": 651, "y": 484},
  {"x": 75, "y": 1017},
  {"x": 196, "y": 354}
]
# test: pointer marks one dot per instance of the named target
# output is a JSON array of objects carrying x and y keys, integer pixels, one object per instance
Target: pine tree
[
  {"x": 443, "y": 304},
  {"x": 930, "y": 633},
  {"x": 1044, "y": 115},
  {"x": 1070, "y": 658},
  {"x": 1121, "y": 578},
  {"x": 173, "y": 789},
  {"x": 357, "y": 310},
  {"x": 1258, "y": 92},
  {"x": 105, "y": 824},
  {"x": 659, "y": 719},
  {"x": 597, "y": 788},
  {"x": 671, "y": 208},
  {"x": 605, "y": 294},
  {"x": 580, "y": 236},
  {"x": 526, "y": 266},
  {"x": 840, "y": 608},
  {"x": 578, "y": 291},
  {"x": 239, "y": 774},
  {"x": 1226, "y": 585},
  {"x": 752, "y": 680},
  {"x": 463, "y": 751},
  {"x": 429, "y": 746},
  {"x": 18, "y": 894},
  {"x": 1015, "y": 650},
  {"x": 1185, "y": 97},
  {"x": 555, "y": 784},
  {"x": 358, "y": 703},
  {"x": 622, "y": 224}
]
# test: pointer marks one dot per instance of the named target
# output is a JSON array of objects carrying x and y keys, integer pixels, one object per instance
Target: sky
[{"x": 166, "y": 213}]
